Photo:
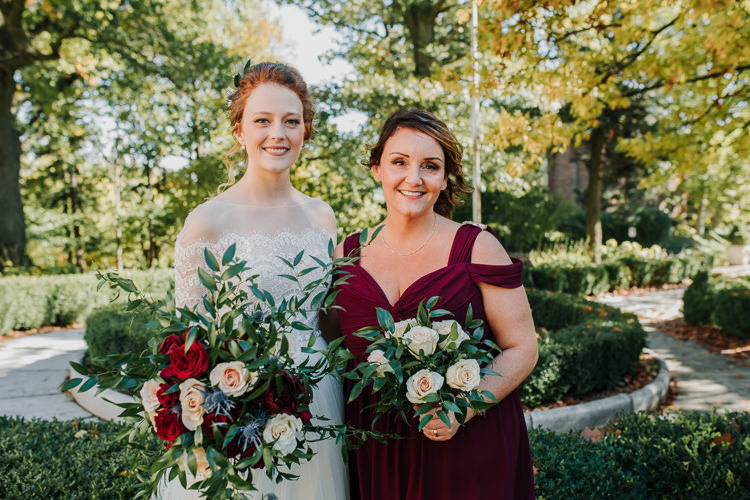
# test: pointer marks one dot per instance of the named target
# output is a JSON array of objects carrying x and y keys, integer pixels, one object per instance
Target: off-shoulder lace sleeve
[{"x": 188, "y": 257}]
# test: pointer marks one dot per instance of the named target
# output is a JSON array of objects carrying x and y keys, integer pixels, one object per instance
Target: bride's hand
[{"x": 436, "y": 429}]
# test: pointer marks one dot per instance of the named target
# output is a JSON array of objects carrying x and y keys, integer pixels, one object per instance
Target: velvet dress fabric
[{"x": 489, "y": 457}]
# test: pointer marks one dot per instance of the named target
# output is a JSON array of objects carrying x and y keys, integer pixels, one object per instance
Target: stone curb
[
  {"x": 590, "y": 414},
  {"x": 601, "y": 411}
]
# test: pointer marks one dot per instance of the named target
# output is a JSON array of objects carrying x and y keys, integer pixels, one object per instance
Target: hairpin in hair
[{"x": 239, "y": 76}]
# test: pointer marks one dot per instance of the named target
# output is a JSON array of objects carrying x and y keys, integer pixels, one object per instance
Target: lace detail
[{"x": 262, "y": 252}]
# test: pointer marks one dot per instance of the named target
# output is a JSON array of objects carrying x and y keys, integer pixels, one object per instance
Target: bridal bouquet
[
  {"x": 426, "y": 364},
  {"x": 225, "y": 385}
]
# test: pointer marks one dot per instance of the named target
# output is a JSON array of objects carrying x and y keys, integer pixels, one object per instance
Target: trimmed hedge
[
  {"x": 723, "y": 302},
  {"x": 113, "y": 330},
  {"x": 33, "y": 301},
  {"x": 71, "y": 460},
  {"x": 624, "y": 272},
  {"x": 590, "y": 347},
  {"x": 694, "y": 456}
]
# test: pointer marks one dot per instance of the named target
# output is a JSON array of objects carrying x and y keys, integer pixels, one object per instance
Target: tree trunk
[
  {"x": 12, "y": 221},
  {"x": 594, "y": 196},
  {"x": 420, "y": 22}
]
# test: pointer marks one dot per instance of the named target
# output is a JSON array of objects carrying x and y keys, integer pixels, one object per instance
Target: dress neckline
[{"x": 379, "y": 288}]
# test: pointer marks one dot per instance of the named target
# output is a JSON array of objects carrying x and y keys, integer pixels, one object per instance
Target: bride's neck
[{"x": 264, "y": 187}]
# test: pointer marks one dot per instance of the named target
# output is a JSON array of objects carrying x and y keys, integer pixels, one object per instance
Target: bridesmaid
[{"x": 421, "y": 253}]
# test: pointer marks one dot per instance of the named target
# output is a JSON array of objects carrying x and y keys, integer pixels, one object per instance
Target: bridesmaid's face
[
  {"x": 271, "y": 129},
  {"x": 411, "y": 171}
]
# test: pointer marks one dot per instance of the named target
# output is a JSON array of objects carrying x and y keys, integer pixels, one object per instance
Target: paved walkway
[
  {"x": 33, "y": 367},
  {"x": 31, "y": 370},
  {"x": 704, "y": 380}
]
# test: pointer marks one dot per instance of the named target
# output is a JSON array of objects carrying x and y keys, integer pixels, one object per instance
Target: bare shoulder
[
  {"x": 318, "y": 211},
  {"x": 198, "y": 225},
  {"x": 488, "y": 250}
]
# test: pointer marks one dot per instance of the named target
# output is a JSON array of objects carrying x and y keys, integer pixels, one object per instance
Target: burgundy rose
[
  {"x": 169, "y": 343},
  {"x": 168, "y": 425},
  {"x": 185, "y": 365},
  {"x": 167, "y": 400},
  {"x": 287, "y": 399},
  {"x": 305, "y": 416}
]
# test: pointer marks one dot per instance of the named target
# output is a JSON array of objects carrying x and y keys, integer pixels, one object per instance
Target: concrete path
[
  {"x": 31, "y": 370},
  {"x": 704, "y": 380}
]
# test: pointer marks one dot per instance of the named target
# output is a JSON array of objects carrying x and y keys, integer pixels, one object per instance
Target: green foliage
[
  {"x": 720, "y": 301},
  {"x": 596, "y": 356},
  {"x": 588, "y": 347},
  {"x": 31, "y": 302},
  {"x": 694, "y": 456},
  {"x": 731, "y": 311},
  {"x": 73, "y": 460},
  {"x": 568, "y": 270},
  {"x": 115, "y": 330},
  {"x": 698, "y": 300},
  {"x": 523, "y": 220}
]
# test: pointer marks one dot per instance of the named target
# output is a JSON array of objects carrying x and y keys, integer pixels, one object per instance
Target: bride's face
[
  {"x": 271, "y": 128},
  {"x": 411, "y": 171}
]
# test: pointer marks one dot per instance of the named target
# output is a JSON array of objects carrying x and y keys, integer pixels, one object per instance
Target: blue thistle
[
  {"x": 217, "y": 402},
  {"x": 252, "y": 433}
]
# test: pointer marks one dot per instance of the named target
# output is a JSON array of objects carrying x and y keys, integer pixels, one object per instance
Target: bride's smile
[{"x": 271, "y": 128}]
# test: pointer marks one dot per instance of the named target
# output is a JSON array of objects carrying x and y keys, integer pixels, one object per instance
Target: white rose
[
  {"x": 401, "y": 326},
  {"x": 148, "y": 395},
  {"x": 421, "y": 384},
  {"x": 232, "y": 378},
  {"x": 282, "y": 431},
  {"x": 377, "y": 356},
  {"x": 444, "y": 328},
  {"x": 203, "y": 470},
  {"x": 421, "y": 338},
  {"x": 191, "y": 401},
  {"x": 463, "y": 375}
]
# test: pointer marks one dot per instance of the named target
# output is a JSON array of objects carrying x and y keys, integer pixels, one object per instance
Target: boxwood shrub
[
  {"x": 33, "y": 301},
  {"x": 71, "y": 460},
  {"x": 720, "y": 301},
  {"x": 615, "y": 274},
  {"x": 588, "y": 347},
  {"x": 732, "y": 311},
  {"x": 690, "y": 456},
  {"x": 113, "y": 330},
  {"x": 693, "y": 456}
]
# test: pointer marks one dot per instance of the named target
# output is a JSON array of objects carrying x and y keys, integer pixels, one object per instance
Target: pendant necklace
[{"x": 420, "y": 247}]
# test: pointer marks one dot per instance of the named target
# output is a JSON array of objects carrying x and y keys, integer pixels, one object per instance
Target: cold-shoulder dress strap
[
  {"x": 351, "y": 245},
  {"x": 506, "y": 276}
]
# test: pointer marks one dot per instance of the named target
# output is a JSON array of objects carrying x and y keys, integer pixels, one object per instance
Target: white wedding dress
[{"x": 262, "y": 235}]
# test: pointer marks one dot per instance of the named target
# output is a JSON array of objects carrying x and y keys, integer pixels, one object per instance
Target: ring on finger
[{"x": 436, "y": 433}]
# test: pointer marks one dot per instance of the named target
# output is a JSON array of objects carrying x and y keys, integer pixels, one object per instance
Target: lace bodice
[{"x": 261, "y": 235}]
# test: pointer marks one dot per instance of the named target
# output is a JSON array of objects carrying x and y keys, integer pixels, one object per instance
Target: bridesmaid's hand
[{"x": 436, "y": 430}]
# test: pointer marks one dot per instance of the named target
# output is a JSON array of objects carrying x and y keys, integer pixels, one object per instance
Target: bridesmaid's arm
[
  {"x": 328, "y": 322},
  {"x": 509, "y": 317}
]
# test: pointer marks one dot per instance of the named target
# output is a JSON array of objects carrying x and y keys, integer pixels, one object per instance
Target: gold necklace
[{"x": 420, "y": 247}]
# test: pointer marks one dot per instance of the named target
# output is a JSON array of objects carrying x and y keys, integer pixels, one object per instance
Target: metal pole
[{"x": 476, "y": 201}]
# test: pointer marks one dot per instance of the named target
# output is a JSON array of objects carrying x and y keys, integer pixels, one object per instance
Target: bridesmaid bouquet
[
  {"x": 227, "y": 388},
  {"x": 427, "y": 364}
]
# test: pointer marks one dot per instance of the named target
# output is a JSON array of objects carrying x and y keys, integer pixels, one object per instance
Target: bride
[{"x": 271, "y": 114}]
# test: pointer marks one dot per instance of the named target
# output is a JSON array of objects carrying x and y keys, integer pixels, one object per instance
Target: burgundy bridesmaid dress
[{"x": 489, "y": 457}]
